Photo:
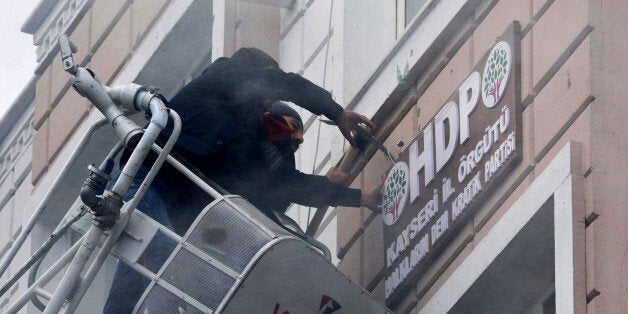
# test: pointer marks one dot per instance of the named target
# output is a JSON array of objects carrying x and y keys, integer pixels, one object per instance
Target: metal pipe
[
  {"x": 158, "y": 121},
  {"x": 93, "y": 187},
  {"x": 32, "y": 276},
  {"x": 61, "y": 228},
  {"x": 96, "y": 182},
  {"x": 124, "y": 218},
  {"x": 126, "y": 95},
  {"x": 43, "y": 293},
  {"x": 44, "y": 202},
  {"x": 88, "y": 85},
  {"x": 46, "y": 277},
  {"x": 74, "y": 270}
]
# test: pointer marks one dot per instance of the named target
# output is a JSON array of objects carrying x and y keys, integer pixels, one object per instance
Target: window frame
[
  {"x": 560, "y": 182},
  {"x": 402, "y": 26}
]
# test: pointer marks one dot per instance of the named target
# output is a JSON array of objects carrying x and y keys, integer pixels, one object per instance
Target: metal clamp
[{"x": 67, "y": 48}]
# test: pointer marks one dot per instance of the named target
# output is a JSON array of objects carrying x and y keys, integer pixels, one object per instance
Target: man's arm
[
  {"x": 370, "y": 199},
  {"x": 317, "y": 191},
  {"x": 254, "y": 84},
  {"x": 258, "y": 84},
  {"x": 312, "y": 190}
]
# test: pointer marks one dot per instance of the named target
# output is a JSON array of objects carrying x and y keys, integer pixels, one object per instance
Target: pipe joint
[
  {"x": 128, "y": 131},
  {"x": 126, "y": 95},
  {"x": 105, "y": 208},
  {"x": 93, "y": 186},
  {"x": 154, "y": 103}
]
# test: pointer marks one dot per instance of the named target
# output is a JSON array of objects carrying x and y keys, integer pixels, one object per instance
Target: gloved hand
[
  {"x": 107, "y": 211},
  {"x": 105, "y": 220},
  {"x": 348, "y": 121},
  {"x": 337, "y": 176},
  {"x": 372, "y": 199}
]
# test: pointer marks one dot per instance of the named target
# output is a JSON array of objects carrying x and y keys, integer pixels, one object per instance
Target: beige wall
[
  {"x": 606, "y": 184},
  {"x": 571, "y": 90},
  {"x": 106, "y": 36}
]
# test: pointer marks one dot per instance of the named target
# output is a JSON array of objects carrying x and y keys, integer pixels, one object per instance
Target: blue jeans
[{"x": 129, "y": 285}]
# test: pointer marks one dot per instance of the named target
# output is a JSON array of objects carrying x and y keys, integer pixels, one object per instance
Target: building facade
[
  {"x": 504, "y": 120},
  {"x": 498, "y": 244}
]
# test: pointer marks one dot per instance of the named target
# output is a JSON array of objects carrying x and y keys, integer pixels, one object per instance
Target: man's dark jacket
[{"x": 222, "y": 136}]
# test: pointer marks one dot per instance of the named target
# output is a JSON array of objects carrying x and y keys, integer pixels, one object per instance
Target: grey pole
[
  {"x": 124, "y": 218},
  {"x": 88, "y": 85},
  {"x": 157, "y": 123}
]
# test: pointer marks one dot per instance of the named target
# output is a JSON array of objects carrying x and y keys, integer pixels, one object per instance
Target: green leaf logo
[
  {"x": 395, "y": 193},
  {"x": 496, "y": 74}
]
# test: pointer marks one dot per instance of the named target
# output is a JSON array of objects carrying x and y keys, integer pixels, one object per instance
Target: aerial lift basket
[{"x": 234, "y": 259}]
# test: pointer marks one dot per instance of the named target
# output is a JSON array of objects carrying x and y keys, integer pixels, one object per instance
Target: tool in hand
[{"x": 363, "y": 136}]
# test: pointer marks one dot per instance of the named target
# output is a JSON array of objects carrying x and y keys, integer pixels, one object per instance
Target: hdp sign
[{"x": 452, "y": 165}]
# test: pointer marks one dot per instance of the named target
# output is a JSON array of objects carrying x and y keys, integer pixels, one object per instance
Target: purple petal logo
[
  {"x": 496, "y": 74},
  {"x": 395, "y": 193}
]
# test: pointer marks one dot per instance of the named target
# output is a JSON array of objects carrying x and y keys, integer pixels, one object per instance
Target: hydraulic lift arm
[{"x": 131, "y": 97}]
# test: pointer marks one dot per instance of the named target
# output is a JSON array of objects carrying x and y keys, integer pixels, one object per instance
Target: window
[{"x": 406, "y": 11}]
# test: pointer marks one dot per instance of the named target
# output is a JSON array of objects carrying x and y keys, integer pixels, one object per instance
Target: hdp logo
[
  {"x": 496, "y": 74},
  {"x": 395, "y": 193}
]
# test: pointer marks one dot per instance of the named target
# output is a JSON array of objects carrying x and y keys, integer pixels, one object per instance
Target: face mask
[{"x": 276, "y": 129}]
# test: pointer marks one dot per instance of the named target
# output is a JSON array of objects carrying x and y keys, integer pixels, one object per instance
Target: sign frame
[{"x": 430, "y": 214}]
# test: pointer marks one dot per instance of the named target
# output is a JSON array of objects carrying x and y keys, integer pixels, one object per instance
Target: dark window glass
[{"x": 412, "y": 8}]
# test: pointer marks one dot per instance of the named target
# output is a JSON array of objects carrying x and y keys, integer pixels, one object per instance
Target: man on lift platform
[{"x": 235, "y": 133}]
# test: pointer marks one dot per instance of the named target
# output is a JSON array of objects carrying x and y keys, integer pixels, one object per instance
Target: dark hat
[
  {"x": 280, "y": 109},
  {"x": 254, "y": 57}
]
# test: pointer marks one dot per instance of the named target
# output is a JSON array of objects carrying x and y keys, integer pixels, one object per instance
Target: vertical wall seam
[
  {"x": 322, "y": 164},
  {"x": 530, "y": 86}
]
